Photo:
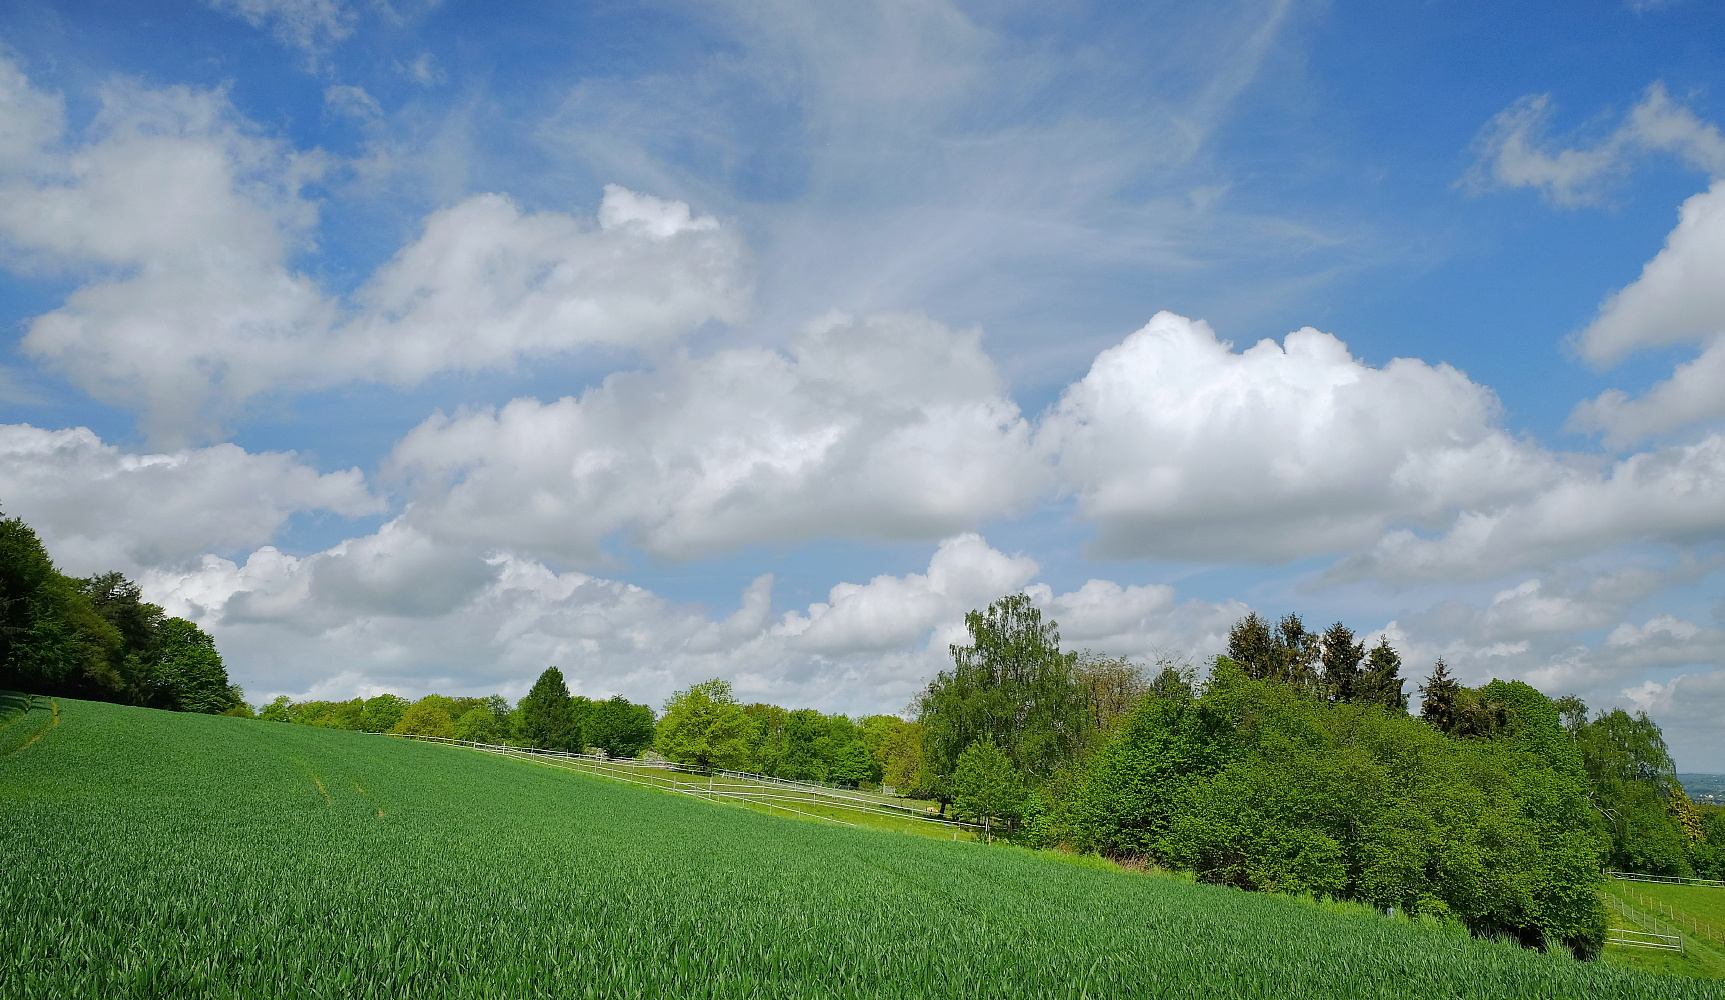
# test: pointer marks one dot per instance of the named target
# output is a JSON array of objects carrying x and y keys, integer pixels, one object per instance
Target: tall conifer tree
[
  {"x": 545, "y": 713},
  {"x": 1442, "y": 705},
  {"x": 1341, "y": 656},
  {"x": 1381, "y": 682}
]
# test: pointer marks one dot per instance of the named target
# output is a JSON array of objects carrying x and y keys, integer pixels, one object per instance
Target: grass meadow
[
  {"x": 150, "y": 854},
  {"x": 1704, "y": 956}
]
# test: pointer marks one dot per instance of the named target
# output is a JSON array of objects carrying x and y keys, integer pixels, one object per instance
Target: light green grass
[
  {"x": 842, "y": 806},
  {"x": 1703, "y": 957},
  {"x": 1704, "y": 903},
  {"x": 147, "y": 854}
]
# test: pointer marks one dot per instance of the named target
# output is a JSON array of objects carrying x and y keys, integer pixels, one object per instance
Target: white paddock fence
[
  {"x": 1666, "y": 879},
  {"x": 771, "y": 793},
  {"x": 1643, "y": 939},
  {"x": 1652, "y": 913}
]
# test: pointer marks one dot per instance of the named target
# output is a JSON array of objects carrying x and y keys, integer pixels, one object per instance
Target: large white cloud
[
  {"x": 187, "y": 219},
  {"x": 1177, "y": 446},
  {"x": 1670, "y": 495},
  {"x": 98, "y": 508},
  {"x": 889, "y": 426},
  {"x": 1680, "y": 295},
  {"x": 292, "y": 624},
  {"x": 1694, "y": 393}
]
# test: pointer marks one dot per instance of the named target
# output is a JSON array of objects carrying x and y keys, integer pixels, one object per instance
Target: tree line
[
  {"x": 547, "y": 718},
  {"x": 704, "y": 727},
  {"x": 1294, "y": 766},
  {"x": 97, "y": 638}
]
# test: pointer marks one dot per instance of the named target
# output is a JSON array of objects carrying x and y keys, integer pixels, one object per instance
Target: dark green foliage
[
  {"x": 1633, "y": 782},
  {"x": 896, "y": 746},
  {"x": 189, "y": 676},
  {"x": 1288, "y": 655},
  {"x": 1260, "y": 786},
  {"x": 805, "y": 745},
  {"x": 1441, "y": 704},
  {"x": 1251, "y": 646},
  {"x": 380, "y": 713},
  {"x": 481, "y": 725},
  {"x": 1381, "y": 682},
  {"x": 1708, "y": 852},
  {"x": 120, "y": 602},
  {"x": 619, "y": 728},
  {"x": 51, "y": 638},
  {"x": 1136, "y": 780},
  {"x": 1013, "y": 685},
  {"x": 547, "y": 715},
  {"x": 1340, "y": 656},
  {"x": 145, "y": 854},
  {"x": 98, "y": 637}
]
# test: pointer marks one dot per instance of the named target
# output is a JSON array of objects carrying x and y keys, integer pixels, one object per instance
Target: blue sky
[{"x": 415, "y": 347}]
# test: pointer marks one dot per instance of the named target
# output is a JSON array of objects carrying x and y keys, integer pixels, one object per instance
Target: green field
[
  {"x": 791, "y": 800},
  {"x": 1704, "y": 954},
  {"x": 147, "y": 854}
]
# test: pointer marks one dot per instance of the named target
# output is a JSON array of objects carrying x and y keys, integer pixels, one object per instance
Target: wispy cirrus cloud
[{"x": 1515, "y": 149}]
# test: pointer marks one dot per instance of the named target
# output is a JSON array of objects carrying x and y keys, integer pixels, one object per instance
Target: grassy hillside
[
  {"x": 151, "y": 854},
  {"x": 1695, "y": 912}
]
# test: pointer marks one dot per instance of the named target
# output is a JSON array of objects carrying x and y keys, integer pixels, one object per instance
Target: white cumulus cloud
[
  {"x": 889, "y": 426},
  {"x": 186, "y": 219},
  {"x": 1694, "y": 393},
  {"x": 291, "y": 624},
  {"x": 1670, "y": 495},
  {"x": 1177, "y": 446},
  {"x": 98, "y": 508},
  {"x": 1680, "y": 295}
]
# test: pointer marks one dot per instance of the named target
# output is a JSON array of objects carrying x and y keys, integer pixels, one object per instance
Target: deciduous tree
[
  {"x": 704, "y": 727},
  {"x": 986, "y": 787},
  {"x": 1012, "y": 684},
  {"x": 426, "y": 717}
]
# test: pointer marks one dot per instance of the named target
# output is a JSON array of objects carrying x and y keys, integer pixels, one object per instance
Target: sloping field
[
  {"x": 1694, "y": 913},
  {"x": 774, "y": 796},
  {"x": 148, "y": 854}
]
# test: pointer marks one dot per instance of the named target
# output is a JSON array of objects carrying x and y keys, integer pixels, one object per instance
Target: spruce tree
[
  {"x": 1341, "y": 656},
  {"x": 545, "y": 714},
  {"x": 1381, "y": 682},
  {"x": 1296, "y": 654},
  {"x": 1441, "y": 705},
  {"x": 1250, "y": 645}
]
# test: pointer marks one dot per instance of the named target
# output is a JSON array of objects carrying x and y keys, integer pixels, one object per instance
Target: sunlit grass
[{"x": 151, "y": 854}]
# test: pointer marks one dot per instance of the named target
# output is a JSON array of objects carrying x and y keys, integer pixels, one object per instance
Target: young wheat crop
[{"x": 152, "y": 854}]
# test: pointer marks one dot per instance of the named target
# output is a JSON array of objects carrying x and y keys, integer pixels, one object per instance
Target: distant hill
[{"x": 1704, "y": 787}]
